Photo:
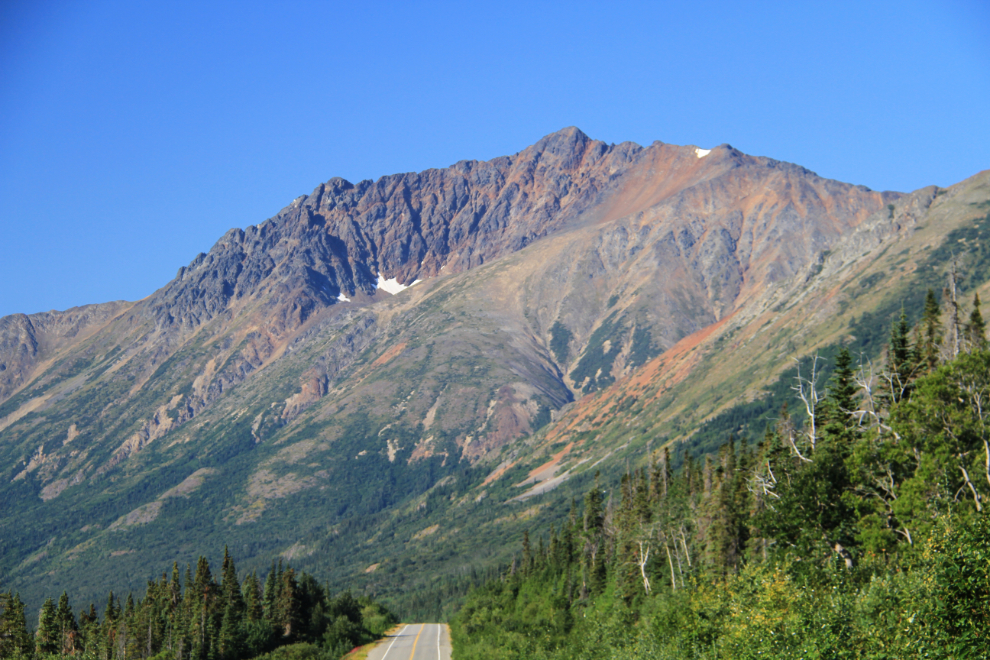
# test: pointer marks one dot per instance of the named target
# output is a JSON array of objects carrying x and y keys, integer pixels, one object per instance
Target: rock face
[
  {"x": 338, "y": 239},
  {"x": 278, "y": 363},
  {"x": 25, "y": 339},
  {"x": 410, "y": 227}
]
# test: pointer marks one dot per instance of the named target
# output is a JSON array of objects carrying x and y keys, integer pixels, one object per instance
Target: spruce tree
[
  {"x": 229, "y": 587},
  {"x": 230, "y": 634},
  {"x": 594, "y": 550},
  {"x": 253, "y": 599},
  {"x": 976, "y": 329},
  {"x": 287, "y": 607},
  {"x": 15, "y": 640},
  {"x": 47, "y": 636},
  {"x": 174, "y": 588},
  {"x": 901, "y": 365},
  {"x": 594, "y": 514},
  {"x": 271, "y": 593},
  {"x": 931, "y": 332},
  {"x": 66, "y": 623},
  {"x": 840, "y": 402},
  {"x": 112, "y": 611}
]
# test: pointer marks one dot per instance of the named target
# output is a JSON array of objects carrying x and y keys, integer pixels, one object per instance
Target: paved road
[{"x": 416, "y": 641}]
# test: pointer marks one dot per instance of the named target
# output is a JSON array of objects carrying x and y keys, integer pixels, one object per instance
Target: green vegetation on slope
[{"x": 859, "y": 531}]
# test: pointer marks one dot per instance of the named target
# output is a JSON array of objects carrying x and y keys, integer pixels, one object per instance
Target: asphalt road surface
[{"x": 415, "y": 641}]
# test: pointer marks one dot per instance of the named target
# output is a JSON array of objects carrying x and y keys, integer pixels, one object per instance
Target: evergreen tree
[
  {"x": 271, "y": 593},
  {"x": 66, "y": 623},
  {"x": 594, "y": 547},
  {"x": 837, "y": 421},
  {"x": 230, "y": 634},
  {"x": 15, "y": 640},
  {"x": 253, "y": 600},
  {"x": 287, "y": 614},
  {"x": 47, "y": 636},
  {"x": 230, "y": 588},
  {"x": 901, "y": 365},
  {"x": 814, "y": 513},
  {"x": 174, "y": 588},
  {"x": 594, "y": 513},
  {"x": 976, "y": 329},
  {"x": 931, "y": 332}
]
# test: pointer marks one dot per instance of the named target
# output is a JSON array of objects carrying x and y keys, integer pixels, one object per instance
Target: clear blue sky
[{"x": 133, "y": 134}]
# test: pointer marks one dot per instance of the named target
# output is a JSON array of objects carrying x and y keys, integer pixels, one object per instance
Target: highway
[{"x": 415, "y": 641}]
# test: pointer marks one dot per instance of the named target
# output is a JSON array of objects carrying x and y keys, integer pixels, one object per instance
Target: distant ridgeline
[
  {"x": 856, "y": 528},
  {"x": 289, "y": 617}
]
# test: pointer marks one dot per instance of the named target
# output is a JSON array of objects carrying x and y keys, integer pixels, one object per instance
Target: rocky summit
[{"x": 409, "y": 372}]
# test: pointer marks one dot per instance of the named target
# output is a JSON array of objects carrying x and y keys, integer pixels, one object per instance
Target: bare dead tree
[
  {"x": 972, "y": 488},
  {"x": 763, "y": 486},
  {"x": 870, "y": 410},
  {"x": 641, "y": 559},
  {"x": 683, "y": 535},
  {"x": 673, "y": 577},
  {"x": 680, "y": 566},
  {"x": 807, "y": 389}
]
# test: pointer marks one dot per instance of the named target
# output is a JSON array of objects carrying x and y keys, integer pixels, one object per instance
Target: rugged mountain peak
[
  {"x": 565, "y": 149},
  {"x": 279, "y": 366},
  {"x": 336, "y": 241}
]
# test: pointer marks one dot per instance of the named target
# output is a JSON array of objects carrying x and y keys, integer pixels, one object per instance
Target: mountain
[{"x": 388, "y": 381}]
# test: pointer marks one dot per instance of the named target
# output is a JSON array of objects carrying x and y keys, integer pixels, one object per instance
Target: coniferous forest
[
  {"x": 856, "y": 528},
  {"x": 195, "y": 616}
]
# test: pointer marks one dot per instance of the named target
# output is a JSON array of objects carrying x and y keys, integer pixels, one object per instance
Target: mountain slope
[{"x": 274, "y": 397}]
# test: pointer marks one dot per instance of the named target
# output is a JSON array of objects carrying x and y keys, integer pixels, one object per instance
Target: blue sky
[{"x": 134, "y": 134}]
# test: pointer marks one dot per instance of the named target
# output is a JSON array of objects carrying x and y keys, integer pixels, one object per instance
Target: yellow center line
[{"x": 416, "y": 640}]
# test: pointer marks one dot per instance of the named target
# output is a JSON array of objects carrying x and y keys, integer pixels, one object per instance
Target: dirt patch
[
  {"x": 266, "y": 486},
  {"x": 389, "y": 354},
  {"x": 509, "y": 417},
  {"x": 429, "y": 531},
  {"x": 313, "y": 389},
  {"x": 71, "y": 435},
  {"x": 431, "y": 414},
  {"x": 140, "y": 516},
  {"x": 27, "y": 407},
  {"x": 548, "y": 469},
  {"x": 294, "y": 453},
  {"x": 531, "y": 512},
  {"x": 425, "y": 448},
  {"x": 189, "y": 484},
  {"x": 393, "y": 449},
  {"x": 297, "y": 551},
  {"x": 499, "y": 471}
]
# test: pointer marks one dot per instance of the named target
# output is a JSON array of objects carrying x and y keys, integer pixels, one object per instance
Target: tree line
[
  {"x": 856, "y": 527},
  {"x": 200, "y": 617}
]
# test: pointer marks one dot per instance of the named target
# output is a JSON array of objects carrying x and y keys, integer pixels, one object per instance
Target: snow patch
[
  {"x": 343, "y": 298},
  {"x": 392, "y": 285},
  {"x": 701, "y": 153}
]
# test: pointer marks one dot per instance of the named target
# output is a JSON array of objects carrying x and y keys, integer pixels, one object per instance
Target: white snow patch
[
  {"x": 392, "y": 285},
  {"x": 343, "y": 298},
  {"x": 702, "y": 152}
]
